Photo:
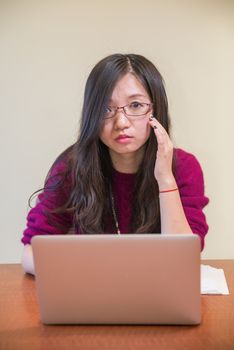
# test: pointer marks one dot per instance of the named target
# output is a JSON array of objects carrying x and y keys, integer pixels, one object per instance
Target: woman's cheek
[
  {"x": 144, "y": 130},
  {"x": 105, "y": 134}
]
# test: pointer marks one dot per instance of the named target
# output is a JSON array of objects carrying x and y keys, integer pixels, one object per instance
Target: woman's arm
[
  {"x": 37, "y": 219},
  {"x": 180, "y": 210},
  {"x": 41, "y": 220},
  {"x": 27, "y": 259},
  {"x": 173, "y": 219}
]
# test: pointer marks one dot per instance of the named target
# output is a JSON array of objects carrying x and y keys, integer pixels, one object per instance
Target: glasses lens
[
  {"x": 108, "y": 112},
  {"x": 137, "y": 108}
]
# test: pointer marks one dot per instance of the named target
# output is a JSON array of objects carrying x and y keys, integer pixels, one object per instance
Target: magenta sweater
[{"x": 189, "y": 178}]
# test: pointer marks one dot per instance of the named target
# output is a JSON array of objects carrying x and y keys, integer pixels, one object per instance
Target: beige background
[{"x": 47, "y": 49}]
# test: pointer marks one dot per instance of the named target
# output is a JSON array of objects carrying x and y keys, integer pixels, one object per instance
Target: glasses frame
[{"x": 125, "y": 113}]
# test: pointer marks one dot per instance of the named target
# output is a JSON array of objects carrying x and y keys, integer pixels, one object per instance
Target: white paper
[{"x": 213, "y": 281}]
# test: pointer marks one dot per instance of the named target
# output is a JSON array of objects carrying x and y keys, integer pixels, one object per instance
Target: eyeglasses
[{"x": 134, "y": 109}]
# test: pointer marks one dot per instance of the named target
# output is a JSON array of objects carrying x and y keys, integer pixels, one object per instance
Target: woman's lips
[{"x": 123, "y": 138}]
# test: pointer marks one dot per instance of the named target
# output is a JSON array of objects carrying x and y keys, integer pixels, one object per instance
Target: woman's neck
[{"x": 126, "y": 163}]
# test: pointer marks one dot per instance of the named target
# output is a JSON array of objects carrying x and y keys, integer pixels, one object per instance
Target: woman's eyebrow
[
  {"x": 133, "y": 96},
  {"x": 136, "y": 95}
]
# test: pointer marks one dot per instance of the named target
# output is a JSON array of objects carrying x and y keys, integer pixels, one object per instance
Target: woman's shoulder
[
  {"x": 185, "y": 159},
  {"x": 182, "y": 154},
  {"x": 188, "y": 169}
]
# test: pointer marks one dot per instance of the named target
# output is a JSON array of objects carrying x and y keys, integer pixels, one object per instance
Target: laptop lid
[{"x": 118, "y": 279}]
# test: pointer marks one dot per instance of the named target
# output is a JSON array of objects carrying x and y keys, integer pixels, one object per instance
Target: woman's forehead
[{"x": 129, "y": 87}]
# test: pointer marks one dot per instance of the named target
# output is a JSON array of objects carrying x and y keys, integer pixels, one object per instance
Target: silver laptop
[{"x": 118, "y": 279}]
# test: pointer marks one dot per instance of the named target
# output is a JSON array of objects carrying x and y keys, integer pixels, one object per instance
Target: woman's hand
[{"x": 163, "y": 165}]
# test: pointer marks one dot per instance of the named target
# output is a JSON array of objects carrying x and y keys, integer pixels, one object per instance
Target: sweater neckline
[
  {"x": 127, "y": 175},
  {"x": 124, "y": 178}
]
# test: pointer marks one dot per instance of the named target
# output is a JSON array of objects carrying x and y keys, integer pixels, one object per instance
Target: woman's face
[{"x": 126, "y": 134}]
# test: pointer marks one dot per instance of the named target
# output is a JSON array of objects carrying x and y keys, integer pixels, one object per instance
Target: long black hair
[{"x": 89, "y": 166}]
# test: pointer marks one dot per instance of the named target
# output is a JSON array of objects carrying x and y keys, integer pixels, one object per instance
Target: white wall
[{"x": 47, "y": 49}]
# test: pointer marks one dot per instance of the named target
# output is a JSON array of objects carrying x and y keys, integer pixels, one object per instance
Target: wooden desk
[{"x": 20, "y": 326}]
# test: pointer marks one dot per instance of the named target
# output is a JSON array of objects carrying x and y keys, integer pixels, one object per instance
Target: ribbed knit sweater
[{"x": 190, "y": 182}]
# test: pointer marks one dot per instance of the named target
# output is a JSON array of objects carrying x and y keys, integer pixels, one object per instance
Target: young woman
[{"x": 123, "y": 174}]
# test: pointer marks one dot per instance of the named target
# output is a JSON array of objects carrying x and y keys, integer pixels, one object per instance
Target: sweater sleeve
[
  {"x": 38, "y": 221},
  {"x": 190, "y": 182}
]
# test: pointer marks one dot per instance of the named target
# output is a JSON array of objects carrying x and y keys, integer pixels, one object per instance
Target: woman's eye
[
  {"x": 108, "y": 110},
  {"x": 135, "y": 105}
]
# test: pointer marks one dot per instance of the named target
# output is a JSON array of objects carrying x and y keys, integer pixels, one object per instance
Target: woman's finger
[
  {"x": 156, "y": 123},
  {"x": 159, "y": 130}
]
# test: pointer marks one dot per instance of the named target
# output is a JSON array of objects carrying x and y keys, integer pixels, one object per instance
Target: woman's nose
[{"x": 121, "y": 120}]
